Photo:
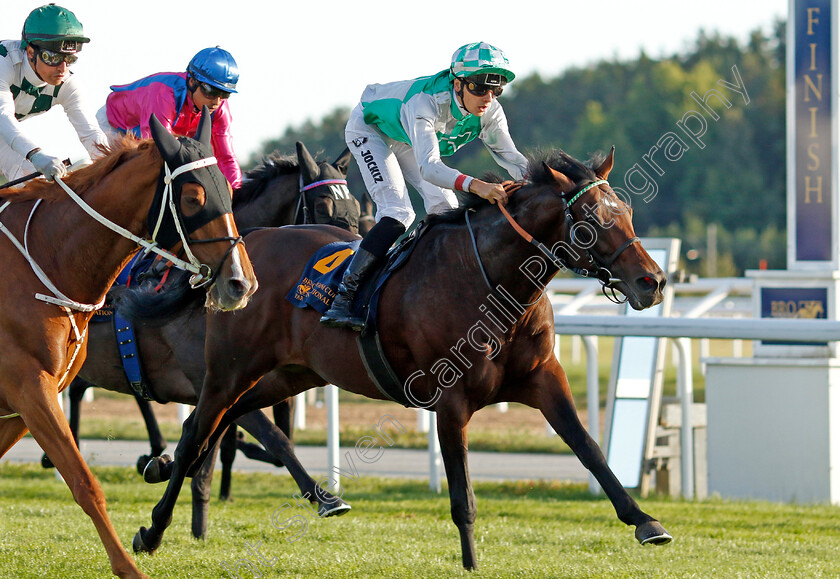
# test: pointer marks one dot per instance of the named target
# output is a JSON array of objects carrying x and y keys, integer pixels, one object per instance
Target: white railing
[{"x": 681, "y": 329}]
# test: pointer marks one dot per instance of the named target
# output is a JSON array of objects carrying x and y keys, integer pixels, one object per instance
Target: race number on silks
[{"x": 323, "y": 272}]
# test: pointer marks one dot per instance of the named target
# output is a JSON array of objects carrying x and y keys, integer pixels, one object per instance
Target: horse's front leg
[
  {"x": 75, "y": 392},
  {"x": 548, "y": 390},
  {"x": 195, "y": 439},
  {"x": 49, "y": 427},
  {"x": 452, "y": 432}
]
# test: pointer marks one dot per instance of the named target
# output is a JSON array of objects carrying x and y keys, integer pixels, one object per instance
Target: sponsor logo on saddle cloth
[{"x": 318, "y": 285}]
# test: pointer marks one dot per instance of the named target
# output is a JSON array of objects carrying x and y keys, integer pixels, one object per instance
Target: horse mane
[
  {"x": 256, "y": 180},
  {"x": 82, "y": 180},
  {"x": 557, "y": 159}
]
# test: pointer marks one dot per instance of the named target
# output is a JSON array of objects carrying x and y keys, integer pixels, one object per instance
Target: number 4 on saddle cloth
[
  {"x": 141, "y": 269},
  {"x": 318, "y": 287}
]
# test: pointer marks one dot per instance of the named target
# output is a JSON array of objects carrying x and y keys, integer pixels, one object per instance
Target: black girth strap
[{"x": 379, "y": 370}]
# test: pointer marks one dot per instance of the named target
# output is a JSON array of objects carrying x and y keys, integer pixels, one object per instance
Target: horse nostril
[
  {"x": 238, "y": 288},
  {"x": 649, "y": 284}
]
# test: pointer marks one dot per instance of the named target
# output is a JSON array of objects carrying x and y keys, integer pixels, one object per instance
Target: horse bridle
[
  {"x": 303, "y": 206},
  {"x": 599, "y": 268}
]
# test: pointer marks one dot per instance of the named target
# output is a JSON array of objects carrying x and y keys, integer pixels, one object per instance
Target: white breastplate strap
[{"x": 57, "y": 298}]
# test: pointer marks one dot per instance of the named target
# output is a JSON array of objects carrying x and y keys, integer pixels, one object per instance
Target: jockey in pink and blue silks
[{"x": 176, "y": 99}]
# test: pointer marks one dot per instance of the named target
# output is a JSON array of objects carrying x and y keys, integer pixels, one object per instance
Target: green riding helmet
[
  {"x": 483, "y": 60},
  {"x": 54, "y": 28}
]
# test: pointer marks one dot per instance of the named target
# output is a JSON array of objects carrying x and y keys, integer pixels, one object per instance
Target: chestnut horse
[
  {"x": 466, "y": 268},
  {"x": 169, "y": 187},
  {"x": 172, "y": 353}
]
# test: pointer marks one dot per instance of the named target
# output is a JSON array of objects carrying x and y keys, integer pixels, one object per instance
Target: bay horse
[
  {"x": 172, "y": 352},
  {"x": 54, "y": 238},
  {"x": 429, "y": 309}
]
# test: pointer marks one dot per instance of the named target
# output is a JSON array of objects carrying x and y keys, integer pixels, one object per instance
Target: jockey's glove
[{"x": 51, "y": 167}]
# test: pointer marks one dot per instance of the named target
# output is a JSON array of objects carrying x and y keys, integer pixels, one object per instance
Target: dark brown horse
[
  {"x": 462, "y": 326},
  {"x": 172, "y": 353},
  {"x": 57, "y": 244}
]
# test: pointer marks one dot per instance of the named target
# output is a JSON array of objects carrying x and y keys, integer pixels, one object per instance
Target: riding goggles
[
  {"x": 51, "y": 58},
  {"x": 480, "y": 90},
  {"x": 212, "y": 92}
]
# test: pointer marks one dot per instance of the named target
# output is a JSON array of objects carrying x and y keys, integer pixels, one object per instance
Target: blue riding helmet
[{"x": 216, "y": 67}]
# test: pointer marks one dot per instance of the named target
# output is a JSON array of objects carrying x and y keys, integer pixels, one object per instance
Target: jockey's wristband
[
  {"x": 462, "y": 183},
  {"x": 32, "y": 152}
]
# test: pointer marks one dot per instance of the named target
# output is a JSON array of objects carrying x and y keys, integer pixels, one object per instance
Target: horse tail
[{"x": 148, "y": 305}]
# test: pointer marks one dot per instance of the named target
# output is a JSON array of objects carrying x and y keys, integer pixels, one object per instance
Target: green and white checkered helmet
[{"x": 481, "y": 58}]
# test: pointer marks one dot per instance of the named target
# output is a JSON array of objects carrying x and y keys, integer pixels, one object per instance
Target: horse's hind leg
[
  {"x": 452, "y": 432},
  {"x": 46, "y": 421},
  {"x": 227, "y": 453},
  {"x": 283, "y": 412},
  {"x": 276, "y": 442},
  {"x": 549, "y": 390},
  {"x": 200, "y": 486},
  {"x": 156, "y": 439}
]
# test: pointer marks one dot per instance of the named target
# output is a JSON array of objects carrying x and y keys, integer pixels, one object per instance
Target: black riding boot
[{"x": 340, "y": 315}]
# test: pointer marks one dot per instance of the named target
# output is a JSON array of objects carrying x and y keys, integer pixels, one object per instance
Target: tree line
[{"x": 699, "y": 136}]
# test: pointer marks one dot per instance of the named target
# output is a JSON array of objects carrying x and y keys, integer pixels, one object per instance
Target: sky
[{"x": 298, "y": 61}]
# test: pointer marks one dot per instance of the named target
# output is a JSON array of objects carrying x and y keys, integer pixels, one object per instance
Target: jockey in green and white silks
[
  {"x": 399, "y": 132},
  {"x": 35, "y": 76}
]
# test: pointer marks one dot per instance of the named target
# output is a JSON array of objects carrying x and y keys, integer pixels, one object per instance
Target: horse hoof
[
  {"x": 333, "y": 509},
  {"x": 153, "y": 473},
  {"x": 46, "y": 462},
  {"x": 138, "y": 545},
  {"x": 652, "y": 533},
  {"x": 142, "y": 462}
]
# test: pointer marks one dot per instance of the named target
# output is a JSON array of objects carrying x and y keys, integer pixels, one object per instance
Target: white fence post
[
  {"x": 435, "y": 459},
  {"x": 333, "y": 449},
  {"x": 593, "y": 399},
  {"x": 300, "y": 411}
]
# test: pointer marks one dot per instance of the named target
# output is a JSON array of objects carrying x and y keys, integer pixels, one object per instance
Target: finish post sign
[{"x": 813, "y": 127}]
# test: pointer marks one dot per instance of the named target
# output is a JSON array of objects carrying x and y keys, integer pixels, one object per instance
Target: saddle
[{"x": 319, "y": 284}]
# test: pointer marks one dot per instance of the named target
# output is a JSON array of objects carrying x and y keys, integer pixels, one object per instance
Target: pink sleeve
[
  {"x": 162, "y": 104},
  {"x": 223, "y": 147}
]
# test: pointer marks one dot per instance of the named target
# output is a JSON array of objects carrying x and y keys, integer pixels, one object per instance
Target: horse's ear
[
  {"x": 566, "y": 184},
  {"x": 343, "y": 161},
  {"x": 604, "y": 170},
  {"x": 308, "y": 166},
  {"x": 168, "y": 145},
  {"x": 205, "y": 126}
]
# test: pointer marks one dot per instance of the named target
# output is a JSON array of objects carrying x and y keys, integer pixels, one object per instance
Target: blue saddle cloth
[{"x": 318, "y": 285}]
